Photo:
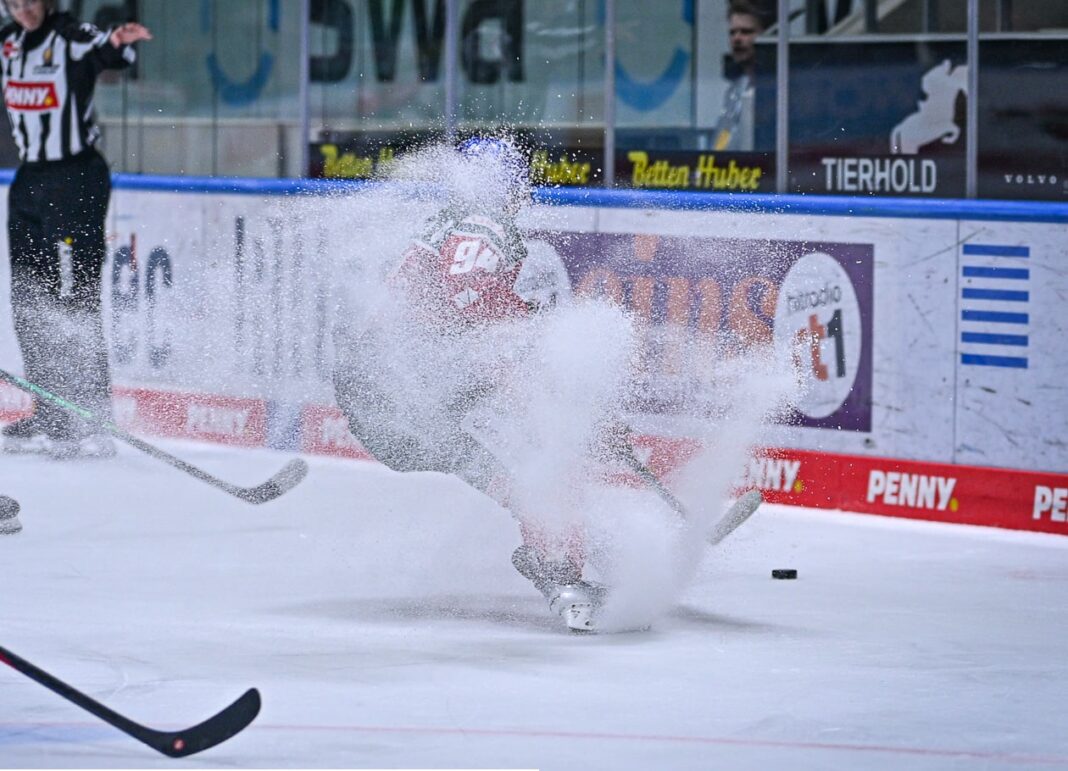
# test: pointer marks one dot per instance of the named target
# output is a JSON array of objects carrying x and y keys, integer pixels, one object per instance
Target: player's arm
[{"x": 108, "y": 49}]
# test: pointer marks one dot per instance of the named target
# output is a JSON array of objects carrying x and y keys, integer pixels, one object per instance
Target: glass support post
[
  {"x": 1005, "y": 16},
  {"x": 304, "y": 89},
  {"x": 871, "y": 16},
  {"x": 452, "y": 66},
  {"x": 813, "y": 11},
  {"x": 971, "y": 147},
  {"x": 782, "y": 98},
  {"x": 609, "y": 93}
]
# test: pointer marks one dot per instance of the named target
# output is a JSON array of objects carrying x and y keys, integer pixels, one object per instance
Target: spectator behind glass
[{"x": 734, "y": 128}]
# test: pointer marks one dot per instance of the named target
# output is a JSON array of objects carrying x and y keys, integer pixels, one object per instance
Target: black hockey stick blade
[
  {"x": 175, "y": 744},
  {"x": 287, "y": 478},
  {"x": 215, "y": 730}
]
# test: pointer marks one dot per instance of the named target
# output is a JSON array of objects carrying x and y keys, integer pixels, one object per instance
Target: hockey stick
[
  {"x": 742, "y": 509},
  {"x": 287, "y": 478},
  {"x": 175, "y": 744},
  {"x": 651, "y": 479},
  {"x": 738, "y": 513}
]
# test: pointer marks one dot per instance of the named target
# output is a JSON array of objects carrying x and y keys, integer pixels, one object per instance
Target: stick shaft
[
  {"x": 69, "y": 693},
  {"x": 176, "y": 744},
  {"x": 107, "y": 425},
  {"x": 252, "y": 495},
  {"x": 654, "y": 482}
]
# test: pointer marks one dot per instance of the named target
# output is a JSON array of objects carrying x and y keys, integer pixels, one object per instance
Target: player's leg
[
  {"x": 76, "y": 225},
  {"x": 372, "y": 418},
  {"x": 35, "y": 282},
  {"x": 553, "y": 559},
  {"x": 552, "y": 555}
]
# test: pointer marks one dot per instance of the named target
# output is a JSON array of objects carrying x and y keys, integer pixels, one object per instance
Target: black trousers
[{"x": 56, "y": 221}]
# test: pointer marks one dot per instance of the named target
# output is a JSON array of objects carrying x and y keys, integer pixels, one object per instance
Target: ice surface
[{"x": 380, "y": 617}]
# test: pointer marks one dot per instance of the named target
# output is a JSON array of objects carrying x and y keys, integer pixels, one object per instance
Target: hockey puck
[
  {"x": 9, "y": 516},
  {"x": 784, "y": 573}
]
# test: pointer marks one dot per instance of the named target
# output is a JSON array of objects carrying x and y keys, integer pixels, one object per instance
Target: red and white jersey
[{"x": 463, "y": 270}]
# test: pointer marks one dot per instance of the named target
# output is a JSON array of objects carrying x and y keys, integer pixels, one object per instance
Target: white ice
[{"x": 380, "y": 617}]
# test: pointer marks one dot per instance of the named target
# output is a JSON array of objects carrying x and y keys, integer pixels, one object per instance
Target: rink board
[{"x": 937, "y": 333}]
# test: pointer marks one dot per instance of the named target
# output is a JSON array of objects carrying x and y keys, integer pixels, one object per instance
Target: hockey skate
[
  {"x": 26, "y": 437},
  {"x": 577, "y": 604},
  {"x": 88, "y": 446},
  {"x": 576, "y": 601}
]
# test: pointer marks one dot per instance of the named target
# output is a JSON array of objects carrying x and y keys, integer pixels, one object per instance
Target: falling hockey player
[
  {"x": 442, "y": 366},
  {"x": 458, "y": 279}
]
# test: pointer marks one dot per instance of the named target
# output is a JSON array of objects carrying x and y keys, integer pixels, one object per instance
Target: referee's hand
[{"x": 130, "y": 32}]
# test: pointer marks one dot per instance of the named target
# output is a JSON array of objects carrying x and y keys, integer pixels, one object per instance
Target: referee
[{"x": 56, "y": 211}]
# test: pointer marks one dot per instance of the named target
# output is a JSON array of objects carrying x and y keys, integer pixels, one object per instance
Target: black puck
[{"x": 784, "y": 573}]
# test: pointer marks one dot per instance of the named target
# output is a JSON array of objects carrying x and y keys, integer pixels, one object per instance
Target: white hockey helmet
[{"x": 502, "y": 158}]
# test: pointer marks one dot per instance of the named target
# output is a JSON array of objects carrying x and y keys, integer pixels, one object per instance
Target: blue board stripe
[
  {"x": 980, "y": 360},
  {"x": 992, "y": 339},
  {"x": 995, "y": 294},
  {"x": 972, "y": 271},
  {"x": 830, "y": 205},
  {"x": 999, "y": 316},
  {"x": 993, "y": 250}
]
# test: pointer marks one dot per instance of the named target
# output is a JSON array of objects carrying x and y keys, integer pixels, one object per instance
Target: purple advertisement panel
[{"x": 812, "y": 297}]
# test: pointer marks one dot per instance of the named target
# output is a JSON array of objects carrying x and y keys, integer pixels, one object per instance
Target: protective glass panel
[
  {"x": 215, "y": 92},
  {"x": 878, "y": 117},
  {"x": 696, "y": 95},
  {"x": 536, "y": 70},
  {"x": 1023, "y": 100}
]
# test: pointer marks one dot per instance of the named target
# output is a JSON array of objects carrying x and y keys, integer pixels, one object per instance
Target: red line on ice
[
  {"x": 536, "y": 733},
  {"x": 1002, "y": 757}
]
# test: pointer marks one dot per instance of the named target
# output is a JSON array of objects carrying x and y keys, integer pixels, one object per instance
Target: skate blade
[
  {"x": 86, "y": 449},
  {"x": 38, "y": 445},
  {"x": 579, "y": 618}
]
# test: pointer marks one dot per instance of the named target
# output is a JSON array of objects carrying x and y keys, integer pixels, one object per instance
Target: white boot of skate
[
  {"x": 575, "y": 607},
  {"x": 574, "y": 600}
]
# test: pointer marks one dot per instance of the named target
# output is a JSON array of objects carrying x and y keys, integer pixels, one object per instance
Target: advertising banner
[
  {"x": 876, "y": 118},
  {"x": 203, "y": 417},
  {"x": 566, "y": 161},
  {"x": 915, "y": 332},
  {"x": 967, "y": 495},
  {"x": 226, "y": 295},
  {"x": 740, "y": 292},
  {"x": 707, "y": 172},
  {"x": 14, "y": 403}
]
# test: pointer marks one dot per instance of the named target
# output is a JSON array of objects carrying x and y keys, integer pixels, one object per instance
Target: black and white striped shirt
[{"x": 48, "y": 79}]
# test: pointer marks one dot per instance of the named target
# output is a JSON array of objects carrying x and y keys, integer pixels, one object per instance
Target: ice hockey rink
[{"x": 381, "y": 619}]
